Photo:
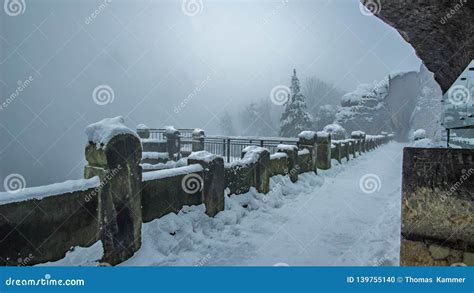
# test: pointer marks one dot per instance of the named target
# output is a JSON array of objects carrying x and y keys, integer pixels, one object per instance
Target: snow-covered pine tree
[{"x": 295, "y": 118}]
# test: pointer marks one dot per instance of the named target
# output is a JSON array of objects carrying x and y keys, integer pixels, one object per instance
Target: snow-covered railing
[
  {"x": 462, "y": 142},
  {"x": 116, "y": 196},
  {"x": 231, "y": 147}
]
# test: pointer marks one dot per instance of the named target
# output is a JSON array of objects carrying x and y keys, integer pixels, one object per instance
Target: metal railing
[
  {"x": 231, "y": 147},
  {"x": 160, "y": 133}
]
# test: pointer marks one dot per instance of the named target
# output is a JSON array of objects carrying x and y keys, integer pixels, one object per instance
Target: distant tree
[
  {"x": 226, "y": 124},
  {"x": 257, "y": 119},
  {"x": 319, "y": 93},
  {"x": 326, "y": 115},
  {"x": 295, "y": 118}
]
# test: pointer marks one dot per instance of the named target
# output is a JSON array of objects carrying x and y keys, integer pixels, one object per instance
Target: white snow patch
[
  {"x": 322, "y": 134},
  {"x": 171, "y": 130},
  {"x": 308, "y": 135},
  {"x": 286, "y": 147},
  {"x": 202, "y": 156},
  {"x": 103, "y": 131},
  {"x": 160, "y": 174},
  {"x": 419, "y": 134},
  {"x": 80, "y": 256},
  {"x": 303, "y": 152},
  {"x": 277, "y": 156},
  {"x": 41, "y": 192},
  {"x": 155, "y": 156}
]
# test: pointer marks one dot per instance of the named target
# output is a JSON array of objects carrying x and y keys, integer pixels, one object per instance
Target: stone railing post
[
  {"x": 261, "y": 176},
  {"x": 337, "y": 152},
  {"x": 143, "y": 131},
  {"x": 360, "y": 137},
  {"x": 345, "y": 150},
  {"x": 173, "y": 142},
  {"x": 116, "y": 160},
  {"x": 323, "y": 148},
  {"x": 307, "y": 140},
  {"x": 292, "y": 152},
  {"x": 213, "y": 181},
  {"x": 353, "y": 148},
  {"x": 198, "y": 140}
]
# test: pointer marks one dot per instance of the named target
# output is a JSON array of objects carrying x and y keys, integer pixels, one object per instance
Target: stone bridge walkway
[
  {"x": 348, "y": 215},
  {"x": 328, "y": 219}
]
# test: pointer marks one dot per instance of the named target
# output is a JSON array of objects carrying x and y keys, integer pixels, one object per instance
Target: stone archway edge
[{"x": 440, "y": 31}]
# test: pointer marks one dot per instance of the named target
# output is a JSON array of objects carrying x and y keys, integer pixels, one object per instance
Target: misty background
[{"x": 169, "y": 68}]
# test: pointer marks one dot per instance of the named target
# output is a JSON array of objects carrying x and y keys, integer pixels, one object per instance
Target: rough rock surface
[{"x": 439, "y": 30}]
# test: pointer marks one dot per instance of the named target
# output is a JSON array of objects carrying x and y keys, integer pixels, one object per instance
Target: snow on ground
[{"x": 349, "y": 215}]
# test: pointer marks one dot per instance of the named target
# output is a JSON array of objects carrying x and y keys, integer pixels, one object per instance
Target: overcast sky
[{"x": 154, "y": 55}]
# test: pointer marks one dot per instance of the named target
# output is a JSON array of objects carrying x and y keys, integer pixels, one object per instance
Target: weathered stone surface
[
  {"x": 120, "y": 195},
  {"x": 198, "y": 140},
  {"x": 425, "y": 253},
  {"x": 305, "y": 162},
  {"x": 214, "y": 184},
  {"x": 307, "y": 140},
  {"x": 337, "y": 152},
  {"x": 438, "y": 251},
  {"x": 437, "y": 195},
  {"x": 441, "y": 24},
  {"x": 164, "y": 196},
  {"x": 468, "y": 258},
  {"x": 143, "y": 133},
  {"x": 437, "y": 204},
  {"x": 323, "y": 158},
  {"x": 173, "y": 144},
  {"x": 278, "y": 165},
  {"x": 249, "y": 171},
  {"x": 38, "y": 231},
  {"x": 293, "y": 167}
]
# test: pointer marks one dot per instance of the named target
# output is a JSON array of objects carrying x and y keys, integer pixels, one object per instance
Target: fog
[{"x": 167, "y": 68}]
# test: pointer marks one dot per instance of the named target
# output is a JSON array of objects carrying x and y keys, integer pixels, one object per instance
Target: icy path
[
  {"x": 321, "y": 220},
  {"x": 324, "y": 219}
]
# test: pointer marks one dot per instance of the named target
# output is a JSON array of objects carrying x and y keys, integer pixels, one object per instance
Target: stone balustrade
[{"x": 117, "y": 196}]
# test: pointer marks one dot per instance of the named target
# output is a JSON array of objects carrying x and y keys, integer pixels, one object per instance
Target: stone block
[
  {"x": 292, "y": 152},
  {"x": 213, "y": 179},
  {"x": 323, "y": 149}
]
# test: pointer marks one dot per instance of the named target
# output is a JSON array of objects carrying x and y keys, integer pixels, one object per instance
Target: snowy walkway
[{"x": 324, "y": 219}]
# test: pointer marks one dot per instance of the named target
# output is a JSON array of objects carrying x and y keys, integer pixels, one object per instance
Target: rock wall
[
  {"x": 437, "y": 207},
  {"x": 440, "y": 31}
]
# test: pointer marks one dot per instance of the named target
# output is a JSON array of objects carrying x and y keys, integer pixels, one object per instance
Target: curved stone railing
[{"x": 41, "y": 224}]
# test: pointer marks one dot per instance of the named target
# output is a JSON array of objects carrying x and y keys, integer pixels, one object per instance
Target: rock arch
[{"x": 440, "y": 31}]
